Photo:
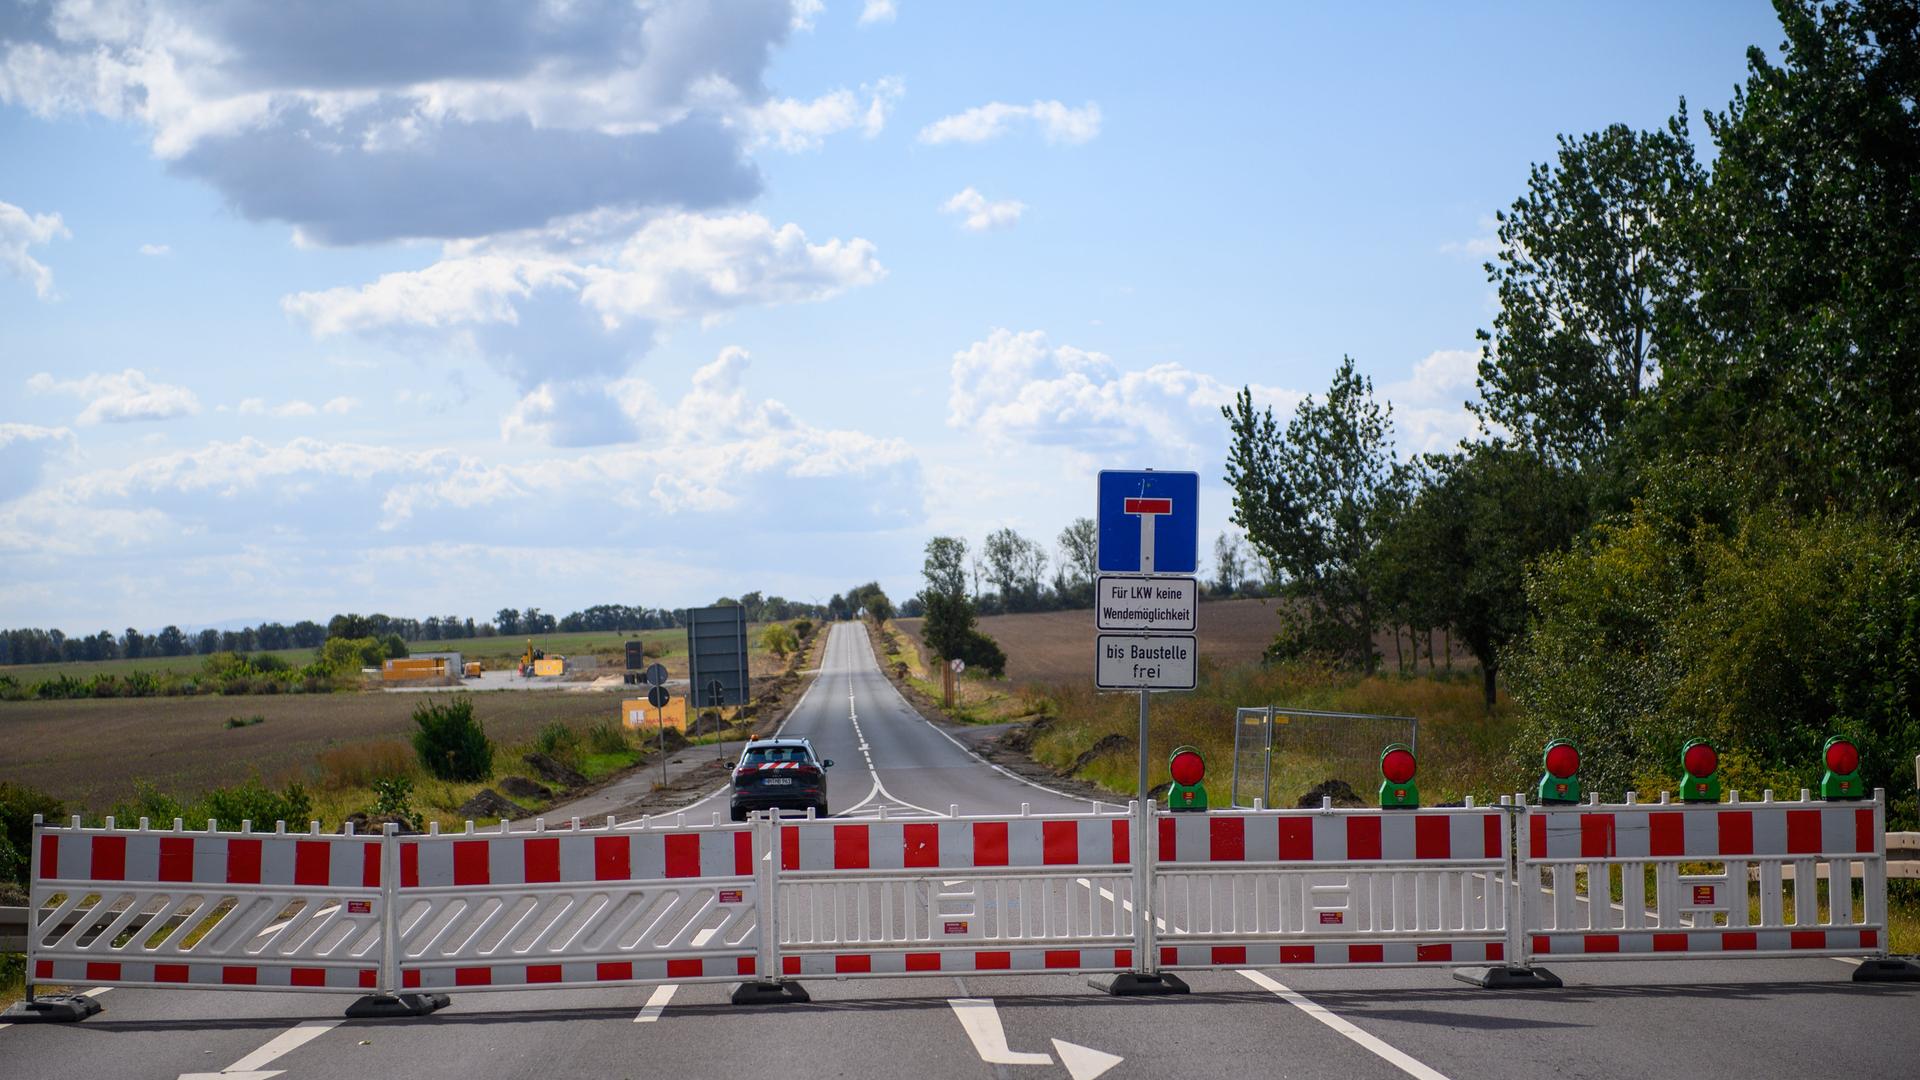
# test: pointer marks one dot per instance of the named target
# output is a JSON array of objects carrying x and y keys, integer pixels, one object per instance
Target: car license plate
[{"x": 772, "y": 780}]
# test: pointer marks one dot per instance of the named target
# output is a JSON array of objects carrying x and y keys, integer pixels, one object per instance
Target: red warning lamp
[
  {"x": 1701, "y": 759},
  {"x": 1397, "y": 768},
  {"x": 1563, "y": 760},
  {"x": 1842, "y": 780},
  {"x": 1188, "y": 769},
  {"x": 1561, "y": 784},
  {"x": 1701, "y": 763},
  {"x": 1842, "y": 757}
]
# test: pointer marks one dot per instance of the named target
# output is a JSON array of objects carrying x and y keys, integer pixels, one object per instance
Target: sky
[{"x": 438, "y": 308}]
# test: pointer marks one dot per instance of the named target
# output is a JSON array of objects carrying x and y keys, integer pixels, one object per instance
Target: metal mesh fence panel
[{"x": 1280, "y": 753}]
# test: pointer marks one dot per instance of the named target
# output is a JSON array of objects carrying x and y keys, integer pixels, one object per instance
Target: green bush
[
  {"x": 18, "y": 804},
  {"x": 1766, "y": 635},
  {"x": 450, "y": 743},
  {"x": 244, "y": 721},
  {"x": 557, "y": 740},
  {"x": 802, "y": 627},
  {"x": 393, "y": 798},
  {"x": 608, "y": 737},
  {"x": 255, "y": 802}
]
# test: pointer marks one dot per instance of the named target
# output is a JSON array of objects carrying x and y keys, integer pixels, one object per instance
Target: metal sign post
[
  {"x": 658, "y": 697},
  {"x": 1148, "y": 534}
]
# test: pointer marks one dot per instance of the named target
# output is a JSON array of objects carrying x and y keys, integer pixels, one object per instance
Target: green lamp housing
[
  {"x": 1700, "y": 763},
  {"x": 1397, "y": 769},
  {"x": 1187, "y": 792},
  {"x": 1842, "y": 779},
  {"x": 1561, "y": 781}
]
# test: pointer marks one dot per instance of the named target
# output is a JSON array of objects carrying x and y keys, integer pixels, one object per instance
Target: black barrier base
[
  {"x": 770, "y": 993},
  {"x": 1887, "y": 969},
  {"x": 1135, "y": 984},
  {"x": 382, "y": 1006},
  {"x": 51, "y": 1009},
  {"x": 1509, "y": 978}
]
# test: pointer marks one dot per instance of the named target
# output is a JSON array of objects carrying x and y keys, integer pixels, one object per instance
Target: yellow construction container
[
  {"x": 550, "y": 668},
  {"x": 472, "y": 669},
  {"x": 638, "y": 715},
  {"x": 407, "y": 668}
]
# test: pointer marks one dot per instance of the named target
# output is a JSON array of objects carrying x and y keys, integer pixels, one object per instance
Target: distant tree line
[
  {"x": 1009, "y": 573},
  {"x": 37, "y": 646}
]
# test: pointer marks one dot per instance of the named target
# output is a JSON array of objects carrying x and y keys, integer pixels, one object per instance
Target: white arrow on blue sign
[{"x": 1149, "y": 522}]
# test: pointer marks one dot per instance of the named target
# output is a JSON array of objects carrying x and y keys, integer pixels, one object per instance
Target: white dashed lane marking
[{"x": 657, "y": 1003}]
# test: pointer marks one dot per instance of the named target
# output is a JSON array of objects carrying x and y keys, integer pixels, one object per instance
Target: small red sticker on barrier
[
  {"x": 959, "y": 927},
  {"x": 731, "y": 896},
  {"x": 1703, "y": 896},
  {"x": 1332, "y": 918},
  {"x": 359, "y": 907}
]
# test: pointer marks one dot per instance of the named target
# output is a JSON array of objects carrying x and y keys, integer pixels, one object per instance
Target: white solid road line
[
  {"x": 254, "y": 1065},
  {"x": 982, "y": 1023},
  {"x": 656, "y": 1004},
  {"x": 1367, "y": 1042}
]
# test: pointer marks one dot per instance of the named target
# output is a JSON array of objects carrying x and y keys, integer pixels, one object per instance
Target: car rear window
[{"x": 762, "y": 755}]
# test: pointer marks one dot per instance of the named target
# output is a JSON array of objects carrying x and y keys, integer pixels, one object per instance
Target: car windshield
[{"x": 758, "y": 755}]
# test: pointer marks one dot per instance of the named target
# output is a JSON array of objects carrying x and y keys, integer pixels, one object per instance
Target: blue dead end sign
[{"x": 1149, "y": 522}]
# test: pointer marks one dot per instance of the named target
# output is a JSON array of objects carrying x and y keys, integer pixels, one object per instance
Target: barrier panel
[
  {"x": 959, "y": 895},
  {"x": 1671, "y": 880},
  {"x": 145, "y": 907},
  {"x": 1332, "y": 887},
  {"x": 577, "y": 907}
]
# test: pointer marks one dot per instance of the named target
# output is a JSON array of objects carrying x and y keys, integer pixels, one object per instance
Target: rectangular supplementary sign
[
  {"x": 1161, "y": 605},
  {"x": 1148, "y": 522},
  {"x": 1146, "y": 662}
]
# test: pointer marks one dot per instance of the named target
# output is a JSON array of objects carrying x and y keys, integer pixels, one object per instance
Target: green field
[{"x": 494, "y": 652}]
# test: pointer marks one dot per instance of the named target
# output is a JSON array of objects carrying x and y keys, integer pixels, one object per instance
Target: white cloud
[
  {"x": 794, "y": 125},
  {"x": 877, "y": 11},
  {"x": 155, "y": 249},
  {"x": 120, "y": 398},
  {"x": 565, "y": 311},
  {"x": 1429, "y": 406},
  {"x": 340, "y": 406},
  {"x": 981, "y": 214},
  {"x": 805, "y": 12},
  {"x": 1058, "y": 122},
  {"x": 1484, "y": 246},
  {"x": 333, "y": 120},
  {"x": 24, "y": 451},
  {"x": 1018, "y": 389},
  {"x": 294, "y": 408},
  {"x": 19, "y": 231}
]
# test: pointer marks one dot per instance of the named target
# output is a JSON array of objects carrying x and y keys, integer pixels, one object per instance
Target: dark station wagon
[{"x": 779, "y": 774}]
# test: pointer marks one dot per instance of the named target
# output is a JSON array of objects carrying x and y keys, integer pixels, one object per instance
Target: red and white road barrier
[
  {"x": 1332, "y": 887},
  {"x": 1719, "y": 880},
  {"x": 781, "y": 899},
  {"x": 164, "y": 908}
]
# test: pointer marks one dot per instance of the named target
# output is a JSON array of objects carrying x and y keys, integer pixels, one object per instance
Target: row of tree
[
  {"x": 36, "y": 646},
  {"x": 1008, "y": 574},
  {"x": 1692, "y": 503}
]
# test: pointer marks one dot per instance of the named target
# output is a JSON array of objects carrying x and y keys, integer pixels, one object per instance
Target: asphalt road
[{"x": 1696, "y": 1019}]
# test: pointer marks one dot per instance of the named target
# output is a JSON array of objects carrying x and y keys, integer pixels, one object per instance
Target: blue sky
[{"x": 315, "y": 307}]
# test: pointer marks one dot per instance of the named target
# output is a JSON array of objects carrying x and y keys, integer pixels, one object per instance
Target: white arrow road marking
[
  {"x": 656, "y": 1004},
  {"x": 95, "y": 992},
  {"x": 982, "y": 1023},
  {"x": 1367, "y": 1042},
  {"x": 1084, "y": 1062},
  {"x": 254, "y": 1065}
]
